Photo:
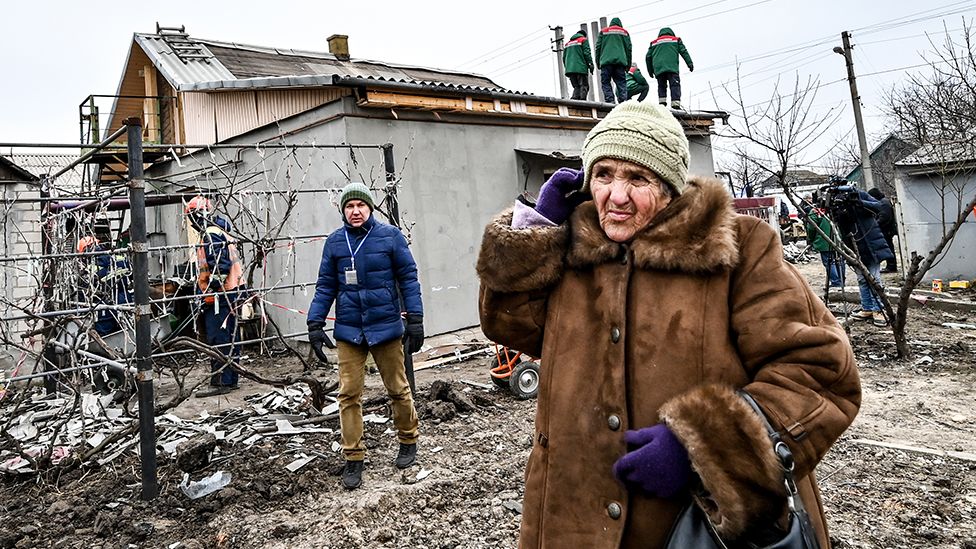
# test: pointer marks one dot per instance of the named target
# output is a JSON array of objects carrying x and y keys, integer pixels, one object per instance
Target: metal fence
[{"x": 271, "y": 195}]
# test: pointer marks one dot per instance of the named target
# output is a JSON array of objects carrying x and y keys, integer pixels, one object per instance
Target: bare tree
[{"x": 780, "y": 132}]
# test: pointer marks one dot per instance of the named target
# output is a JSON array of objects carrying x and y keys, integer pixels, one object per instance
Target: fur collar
[{"x": 696, "y": 234}]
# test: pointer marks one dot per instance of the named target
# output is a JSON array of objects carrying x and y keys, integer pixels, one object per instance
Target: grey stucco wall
[
  {"x": 921, "y": 210},
  {"x": 453, "y": 178}
]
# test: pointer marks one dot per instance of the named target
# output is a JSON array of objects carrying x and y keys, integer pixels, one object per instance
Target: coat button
[
  {"x": 614, "y": 422},
  {"x": 614, "y": 510},
  {"x": 615, "y": 334}
]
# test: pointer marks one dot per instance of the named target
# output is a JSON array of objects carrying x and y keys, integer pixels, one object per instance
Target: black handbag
[{"x": 693, "y": 530}]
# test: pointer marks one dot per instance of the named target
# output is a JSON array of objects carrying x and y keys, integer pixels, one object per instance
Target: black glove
[
  {"x": 317, "y": 337},
  {"x": 413, "y": 334}
]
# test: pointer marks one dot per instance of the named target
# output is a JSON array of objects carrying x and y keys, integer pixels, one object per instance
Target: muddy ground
[{"x": 466, "y": 489}]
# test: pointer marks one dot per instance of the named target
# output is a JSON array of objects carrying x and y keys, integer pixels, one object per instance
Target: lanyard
[{"x": 348, "y": 245}]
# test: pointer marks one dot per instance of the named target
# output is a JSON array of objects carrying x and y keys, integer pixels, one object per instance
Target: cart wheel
[
  {"x": 500, "y": 382},
  {"x": 524, "y": 382}
]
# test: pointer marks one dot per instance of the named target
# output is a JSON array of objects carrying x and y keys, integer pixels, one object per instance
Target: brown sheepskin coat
[{"x": 665, "y": 328}]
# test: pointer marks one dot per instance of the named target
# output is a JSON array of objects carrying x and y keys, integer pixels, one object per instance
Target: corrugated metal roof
[
  {"x": 176, "y": 70},
  {"x": 941, "y": 154},
  {"x": 47, "y": 164},
  {"x": 245, "y": 66}
]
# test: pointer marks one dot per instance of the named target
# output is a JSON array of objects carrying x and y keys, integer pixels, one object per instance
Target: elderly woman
[{"x": 651, "y": 302}]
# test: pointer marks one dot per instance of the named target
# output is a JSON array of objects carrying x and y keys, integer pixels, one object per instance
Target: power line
[
  {"x": 503, "y": 47},
  {"x": 827, "y": 39}
]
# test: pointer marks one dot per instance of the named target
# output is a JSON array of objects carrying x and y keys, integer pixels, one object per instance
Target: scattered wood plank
[{"x": 965, "y": 456}]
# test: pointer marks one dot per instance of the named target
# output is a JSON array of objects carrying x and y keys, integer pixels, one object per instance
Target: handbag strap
[{"x": 782, "y": 451}]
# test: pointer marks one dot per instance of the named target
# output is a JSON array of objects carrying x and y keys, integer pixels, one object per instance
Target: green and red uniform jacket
[
  {"x": 662, "y": 54},
  {"x": 613, "y": 46},
  {"x": 576, "y": 55}
]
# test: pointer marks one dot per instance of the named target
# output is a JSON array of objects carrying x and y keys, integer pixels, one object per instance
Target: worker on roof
[
  {"x": 613, "y": 57},
  {"x": 368, "y": 271},
  {"x": 219, "y": 275},
  {"x": 579, "y": 64},
  {"x": 636, "y": 83},
  {"x": 662, "y": 61}
]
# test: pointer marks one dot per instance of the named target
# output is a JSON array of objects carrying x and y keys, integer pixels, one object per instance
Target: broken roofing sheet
[{"x": 39, "y": 426}]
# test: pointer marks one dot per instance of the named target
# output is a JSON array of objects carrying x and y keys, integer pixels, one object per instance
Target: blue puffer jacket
[
  {"x": 369, "y": 310},
  {"x": 863, "y": 228}
]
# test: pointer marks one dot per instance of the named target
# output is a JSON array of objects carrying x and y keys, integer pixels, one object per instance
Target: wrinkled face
[
  {"x": 356, "y": 212},
  {"x": 627, "y": 197}
]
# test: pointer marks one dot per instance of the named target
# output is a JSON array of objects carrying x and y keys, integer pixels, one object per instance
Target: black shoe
[
  {"x": 215, "y": 390},
  {"x": 352, "y": 476},
  {"x": 407, "y": 455}
]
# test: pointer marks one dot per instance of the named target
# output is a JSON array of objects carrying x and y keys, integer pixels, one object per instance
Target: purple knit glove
[
  {"x": 553, "y": 203},
  {"x": 657, "y": 464}
]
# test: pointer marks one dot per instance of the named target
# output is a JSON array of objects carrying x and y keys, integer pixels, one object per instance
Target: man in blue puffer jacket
[
  {"x": 366, "y": 268},
  {"x": 854, "y": 213}
]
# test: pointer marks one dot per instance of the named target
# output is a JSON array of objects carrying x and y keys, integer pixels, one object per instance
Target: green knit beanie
[
  {"x": 356, "y": 191},
  {"x": 643, "y": 133}
]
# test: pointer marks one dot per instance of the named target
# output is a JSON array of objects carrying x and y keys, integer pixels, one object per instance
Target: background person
[
  {"x": 662, "y": 61},
  {"x": 854, "y": 211},
  {"x": 650, "y": 302},
  {"x": 366, "y": 268},
  {"x": 636, "y": 83},
  {"x": 832, "y": 261},
  {"x": 219, "y": 275},
  {"x": 613, "y": 56},
  {"x": 106, "y": 282},
  {"x": 888, "y": 226},
  {"x": 579, "y": 64}
]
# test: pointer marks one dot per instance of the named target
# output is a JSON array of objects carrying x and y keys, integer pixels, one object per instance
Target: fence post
[
  {"x": 140, "y": 275},
  {"x": 391, "y": 197}
]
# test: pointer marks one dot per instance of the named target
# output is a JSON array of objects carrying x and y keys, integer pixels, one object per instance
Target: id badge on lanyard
[{"x": 350, "y": 274}]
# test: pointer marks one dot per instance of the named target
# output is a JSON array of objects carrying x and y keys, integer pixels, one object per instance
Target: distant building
[
  {"x": 883, "y": 158},
  {"x": 932, "y": 185}
]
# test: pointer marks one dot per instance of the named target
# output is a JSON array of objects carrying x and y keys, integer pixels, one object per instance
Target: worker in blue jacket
[
  {"x": 107, "y": 282},
  {"x": 219, "y": 281},
  {"x": 368, "y": 271}
]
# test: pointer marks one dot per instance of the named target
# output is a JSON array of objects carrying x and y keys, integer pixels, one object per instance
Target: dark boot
[
  {"x": 215, "y": 390},
  {"x": 352, "y": 477},
  {"x": 407, "y": 455}
]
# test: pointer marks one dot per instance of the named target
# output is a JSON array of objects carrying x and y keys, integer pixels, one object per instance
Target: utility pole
[
  {"x": 856, "y": 100},
  {"x": 558, "y": 43}
]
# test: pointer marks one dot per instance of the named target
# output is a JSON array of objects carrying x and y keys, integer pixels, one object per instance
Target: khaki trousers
[{"x": 352, "y": 378}]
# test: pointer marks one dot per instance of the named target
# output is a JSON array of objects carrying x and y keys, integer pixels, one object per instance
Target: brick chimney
[{"x": 339, "y": 46}]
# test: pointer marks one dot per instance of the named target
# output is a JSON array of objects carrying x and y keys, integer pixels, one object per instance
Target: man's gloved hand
[
  {"x": 656, "y": 464},
  {"x": 317, "y": 338},
  {"x": 553, "y": 203},
  {"x": 413, "y": 334}
]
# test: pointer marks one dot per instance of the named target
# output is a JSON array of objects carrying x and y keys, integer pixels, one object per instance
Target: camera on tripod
[{"x": 838, "y": 198}]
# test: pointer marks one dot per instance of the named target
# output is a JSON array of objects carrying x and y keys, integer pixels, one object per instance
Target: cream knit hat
[{"x": 642, "y": 133}]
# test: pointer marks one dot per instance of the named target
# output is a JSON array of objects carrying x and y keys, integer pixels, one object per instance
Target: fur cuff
[
  {"x": 519, "y": 260},
  {"x": 731, "y": 452}
]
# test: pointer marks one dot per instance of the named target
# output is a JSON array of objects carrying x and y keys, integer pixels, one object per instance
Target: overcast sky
[{"x": 55, "y": 53}]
